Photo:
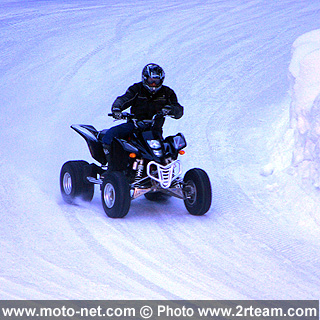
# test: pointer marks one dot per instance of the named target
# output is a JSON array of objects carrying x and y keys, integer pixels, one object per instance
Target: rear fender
[{"x": 95, "y": 146}]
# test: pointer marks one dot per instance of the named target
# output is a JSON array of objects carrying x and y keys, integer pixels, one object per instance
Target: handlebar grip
[{"x": 123, "y": 116}]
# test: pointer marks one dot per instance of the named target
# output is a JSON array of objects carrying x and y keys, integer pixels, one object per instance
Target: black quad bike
[{"x": 144, "y": 164}]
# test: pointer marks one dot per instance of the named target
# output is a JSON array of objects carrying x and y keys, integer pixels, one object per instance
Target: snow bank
[
  {"x": 305, "y": 105},
  {"x": 64, "y": 62}
]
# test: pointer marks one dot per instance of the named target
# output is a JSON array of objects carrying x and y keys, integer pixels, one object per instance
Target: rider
[{"x": 146, "y": 98}]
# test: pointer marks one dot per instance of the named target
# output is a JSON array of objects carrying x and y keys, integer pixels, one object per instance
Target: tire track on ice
[{"x": 116, "y": 263}]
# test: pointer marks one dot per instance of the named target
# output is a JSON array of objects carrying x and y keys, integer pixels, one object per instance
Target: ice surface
[{"x": 228, "y": 61}]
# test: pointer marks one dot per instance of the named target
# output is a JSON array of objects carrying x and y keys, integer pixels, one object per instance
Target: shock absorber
[{"x": 139, "y": 172}]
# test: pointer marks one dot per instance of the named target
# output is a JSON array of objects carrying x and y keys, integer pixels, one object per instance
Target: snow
[
  {"x": 305, "y": 73},
  {"x": 247, "y": 110}
]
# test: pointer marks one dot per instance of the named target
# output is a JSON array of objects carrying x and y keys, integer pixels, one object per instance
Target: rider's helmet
[{"x": 152, "y": 77}]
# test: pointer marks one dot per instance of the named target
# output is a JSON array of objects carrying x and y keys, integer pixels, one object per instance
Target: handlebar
[
  {"x": 130, "y": 116},
  {"x": 139, "y": 124}
]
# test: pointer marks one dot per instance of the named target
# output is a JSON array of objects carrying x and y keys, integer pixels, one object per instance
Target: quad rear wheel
[
  {"x": 73, "y": 183},
  {"x": 197, "y": 191}
]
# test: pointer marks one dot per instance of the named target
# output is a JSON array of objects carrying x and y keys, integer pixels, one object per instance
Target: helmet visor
[{"x": 156, "y": 81}]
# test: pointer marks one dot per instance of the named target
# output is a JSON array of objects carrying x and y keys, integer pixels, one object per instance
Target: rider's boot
[{"x": 107, "y": 149}]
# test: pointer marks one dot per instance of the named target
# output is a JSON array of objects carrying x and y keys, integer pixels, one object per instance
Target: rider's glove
[
  {"x": 116, "y": 112},
  {"x": 167, "y": 110}
]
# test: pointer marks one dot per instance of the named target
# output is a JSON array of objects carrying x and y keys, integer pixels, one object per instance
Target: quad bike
[{"x": 144, "y": 164}]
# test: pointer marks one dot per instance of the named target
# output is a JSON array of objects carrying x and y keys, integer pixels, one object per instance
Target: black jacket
[{"x": 144, "y": 105}]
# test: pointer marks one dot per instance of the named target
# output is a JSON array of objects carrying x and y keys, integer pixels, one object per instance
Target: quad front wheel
[
  {"x": 197, "y": 192},
  {"x": 115, "y": 194}
]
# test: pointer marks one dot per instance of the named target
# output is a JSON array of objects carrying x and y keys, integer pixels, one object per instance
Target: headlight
[
  {"x": 154, "y": 144},
  {"x": 158, "y": 153}
]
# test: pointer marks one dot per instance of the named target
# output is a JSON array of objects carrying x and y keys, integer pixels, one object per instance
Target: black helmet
[{"x": 152, "y": 77}]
